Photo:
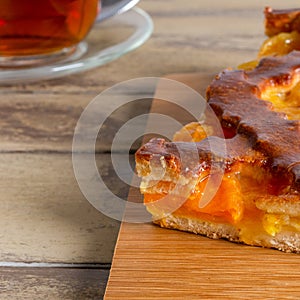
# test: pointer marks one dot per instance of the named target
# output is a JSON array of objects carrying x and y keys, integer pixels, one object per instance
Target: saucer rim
[{"x": 137, "y": 17}]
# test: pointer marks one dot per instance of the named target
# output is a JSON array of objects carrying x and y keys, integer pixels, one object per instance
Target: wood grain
[
  {"x": 151, "y": 262},
  {"x": 46, "y": 122},
  {"x": 45, "y": 217},
  {"x": 52, "y": 283}
]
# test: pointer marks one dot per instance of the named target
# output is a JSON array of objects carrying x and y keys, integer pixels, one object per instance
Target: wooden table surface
[{"x": 53, "y": 243}]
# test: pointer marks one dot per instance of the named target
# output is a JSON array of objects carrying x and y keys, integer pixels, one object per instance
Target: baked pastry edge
[{"x": 285, "y": 241}]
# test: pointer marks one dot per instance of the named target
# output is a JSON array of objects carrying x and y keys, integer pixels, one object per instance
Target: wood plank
[
  {"x": 151, "y": 262},
  {"x": 39, "y": 122},
  {"x": 45, "y": 218},
  {"x": 52, "y": 283},
  {"x": 46, "y": 122}
]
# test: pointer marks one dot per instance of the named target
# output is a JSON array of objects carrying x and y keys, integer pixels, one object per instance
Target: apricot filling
[{"x": 235, "y": 199}]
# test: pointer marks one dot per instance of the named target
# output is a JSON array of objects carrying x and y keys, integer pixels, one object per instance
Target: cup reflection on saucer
[{"x": 36, "y": 32}]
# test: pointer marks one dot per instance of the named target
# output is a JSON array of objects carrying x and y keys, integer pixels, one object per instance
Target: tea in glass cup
[{"x": 34, "y": 30}]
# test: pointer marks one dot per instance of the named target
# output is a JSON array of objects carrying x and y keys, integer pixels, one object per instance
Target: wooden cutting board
[{"x": 154, "y": 263}]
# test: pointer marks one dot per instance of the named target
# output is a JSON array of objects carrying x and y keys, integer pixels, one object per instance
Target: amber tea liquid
[{"x": 33, "y": 27}]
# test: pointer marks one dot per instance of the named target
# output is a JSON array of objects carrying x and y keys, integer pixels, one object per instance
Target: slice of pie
[{"x": 257, "y": 199}]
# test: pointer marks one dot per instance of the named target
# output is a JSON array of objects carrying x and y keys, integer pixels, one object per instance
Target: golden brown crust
[
  {"x": 237, "y": 150},
  {"x": 283, "y": 204},
  {"x": 263, "y": 135},
  {"x": 285, "y": 241},
  {"x": 278, "y": 21},
  {"x": 203, "y": 227},
  {"x": 266, "y": 131},
  {"x": 235, "y": 98}
]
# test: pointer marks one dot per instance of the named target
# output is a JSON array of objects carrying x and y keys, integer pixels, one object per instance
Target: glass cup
[{"x": 36, "y": 32}]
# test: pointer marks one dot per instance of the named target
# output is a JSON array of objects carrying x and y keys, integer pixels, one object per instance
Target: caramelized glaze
[{"x": 236, "y": 97}]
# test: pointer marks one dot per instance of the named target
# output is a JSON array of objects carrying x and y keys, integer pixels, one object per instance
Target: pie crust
[{"x": 258, "y": 198}]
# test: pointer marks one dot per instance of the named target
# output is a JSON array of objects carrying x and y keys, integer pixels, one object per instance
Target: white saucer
[{"x": 107, "y": 41}]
